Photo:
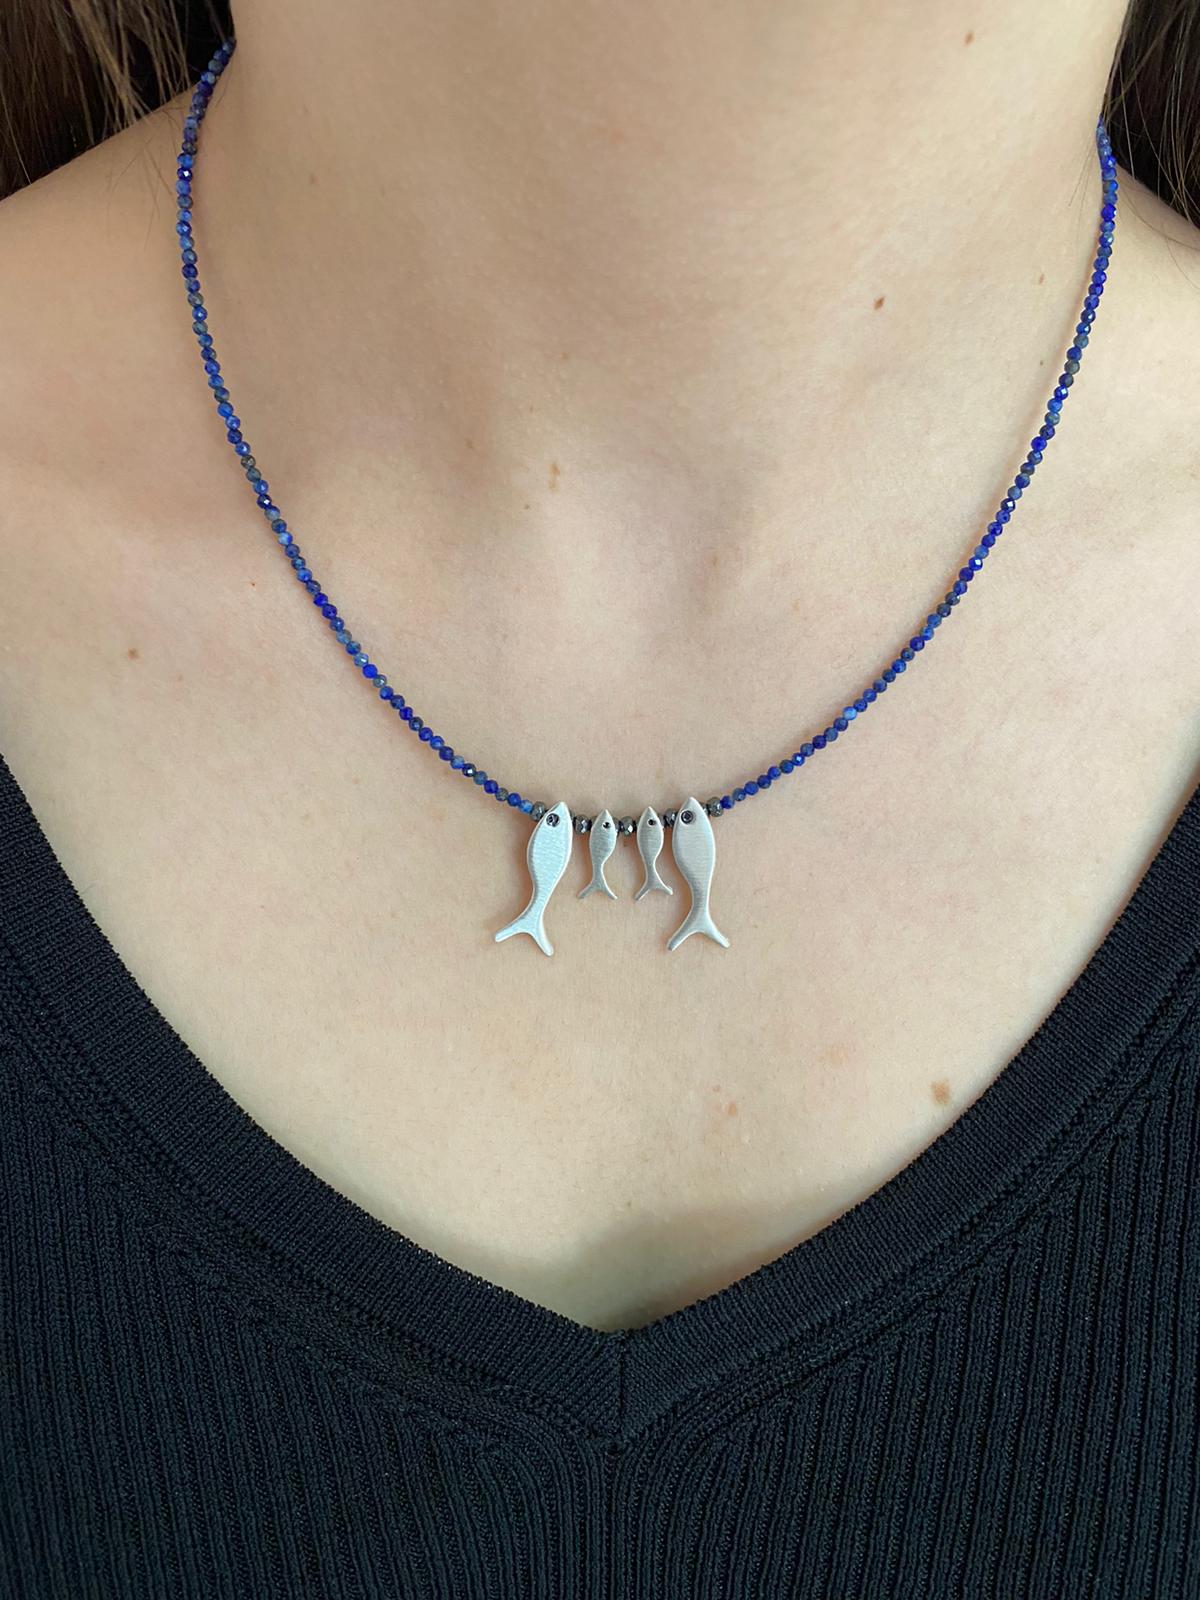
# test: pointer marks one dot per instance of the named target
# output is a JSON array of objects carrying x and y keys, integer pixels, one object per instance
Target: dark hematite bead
[
  {"x": 669, "y": 818},
  {"x": 626, "y": 826},
  {"x": 581, "y": 824},
  {"x": 713, "y": 806},
  {"x": 539, "y": 810}
]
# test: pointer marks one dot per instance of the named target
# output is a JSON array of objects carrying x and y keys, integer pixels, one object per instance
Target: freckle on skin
[
  {"x": 133, "y": 652},
  {"x": 941, "y": 1091},
  {"x": 731, "y": 1110},
  {"x": 555, "y": 474},
  {"x": 879, "y": 303},
  {"x": 970, "y": 39},
  {"x": 1041, "y": 277}
]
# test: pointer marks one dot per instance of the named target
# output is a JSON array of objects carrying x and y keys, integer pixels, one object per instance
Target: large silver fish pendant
[
  {"x": 695, "y": 854},
  {"x": 650, "y": 843},
  {"x": 602, "y": 841},
  {"x": 546, "y": 855}
]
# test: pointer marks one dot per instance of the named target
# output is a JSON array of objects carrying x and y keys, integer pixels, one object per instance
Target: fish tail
[
  {"x": 698, "y": 920},
  {"x": 599, "y": 884},
  {"x": 653, "y": 881},
  {"x": 533, "y": 922}
]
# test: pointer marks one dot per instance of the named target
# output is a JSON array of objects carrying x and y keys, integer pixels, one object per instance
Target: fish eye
[
  {"x": 687, "y": 816},
  {"x": 608, "y": 824},
  {"x": 552, "y": 819},
  {"x": 651, "y": 822}
]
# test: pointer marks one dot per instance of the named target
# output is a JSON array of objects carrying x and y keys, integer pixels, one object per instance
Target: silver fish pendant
[
  {"x": 695, "y": 854},
  {"x": 650, "y": 843},
  {"x": 602, "y": 841},
  {"x": 546, "y": 855}
]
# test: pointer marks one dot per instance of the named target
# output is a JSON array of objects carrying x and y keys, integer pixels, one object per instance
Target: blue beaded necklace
[{"x": 690, "y": 822}]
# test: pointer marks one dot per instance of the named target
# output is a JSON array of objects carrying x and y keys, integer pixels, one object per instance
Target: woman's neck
[{"x": 679, "y": 251}]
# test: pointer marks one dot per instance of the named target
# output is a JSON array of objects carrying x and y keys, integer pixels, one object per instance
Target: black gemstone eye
[
  {"x": 687, "y": 816},
  {"x": 608, "y": 824},
  {"x": 552, "y": 819},
  {"x": 653, "y": 821}
]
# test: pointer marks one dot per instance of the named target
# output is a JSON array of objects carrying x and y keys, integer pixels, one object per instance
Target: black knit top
[{"x": 220, "y": 1378}]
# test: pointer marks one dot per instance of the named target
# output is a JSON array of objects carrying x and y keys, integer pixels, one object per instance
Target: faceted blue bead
[
  {"x": 426, "y": 734},
  {"x": 726, "y": 802},
  {"x": 819, "y": 742},
  {"x": 751, "y": 787},
  {"x": 787, "y": 765},
  {"x": 514, "y": 799},
  {"x": 526, "y": 806},
  {"x": 773, "y": 772},
  {"x": 437, "y": 741},
  {"x": 481, "y": 777},
  {"x": 405, "y": 712},
  {"x": 807, "y": 748},
  {"x": 456, "y": 763}
]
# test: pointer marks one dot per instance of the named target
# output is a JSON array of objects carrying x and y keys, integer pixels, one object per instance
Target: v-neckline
[{"x": 188, "y": 1130}]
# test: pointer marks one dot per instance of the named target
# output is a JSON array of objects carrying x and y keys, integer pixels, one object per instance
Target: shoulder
[
  {"x": 82, "y": 287},
  {"x": 91, "y": 346}
]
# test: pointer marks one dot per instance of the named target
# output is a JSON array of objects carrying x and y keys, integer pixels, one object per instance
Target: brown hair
[{"x": 74, "y": 71}]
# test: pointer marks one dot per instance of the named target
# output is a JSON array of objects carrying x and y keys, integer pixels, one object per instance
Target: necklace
[{"x": 690, "y": 822}]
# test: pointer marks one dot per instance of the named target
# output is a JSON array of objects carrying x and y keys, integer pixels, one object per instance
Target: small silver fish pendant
[
  {"x": 650, "y": 843},
  {"x": 602, "y": 841},
  {"x": 695, "y": 854},
  {"x": 546, "y": 855}
]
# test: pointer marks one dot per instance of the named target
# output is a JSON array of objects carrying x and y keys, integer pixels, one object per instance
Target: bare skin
[{"x": 631, "y": 400}]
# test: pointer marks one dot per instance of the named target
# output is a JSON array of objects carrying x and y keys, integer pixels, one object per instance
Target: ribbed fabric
[{"x": 223, "y": 1379}]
